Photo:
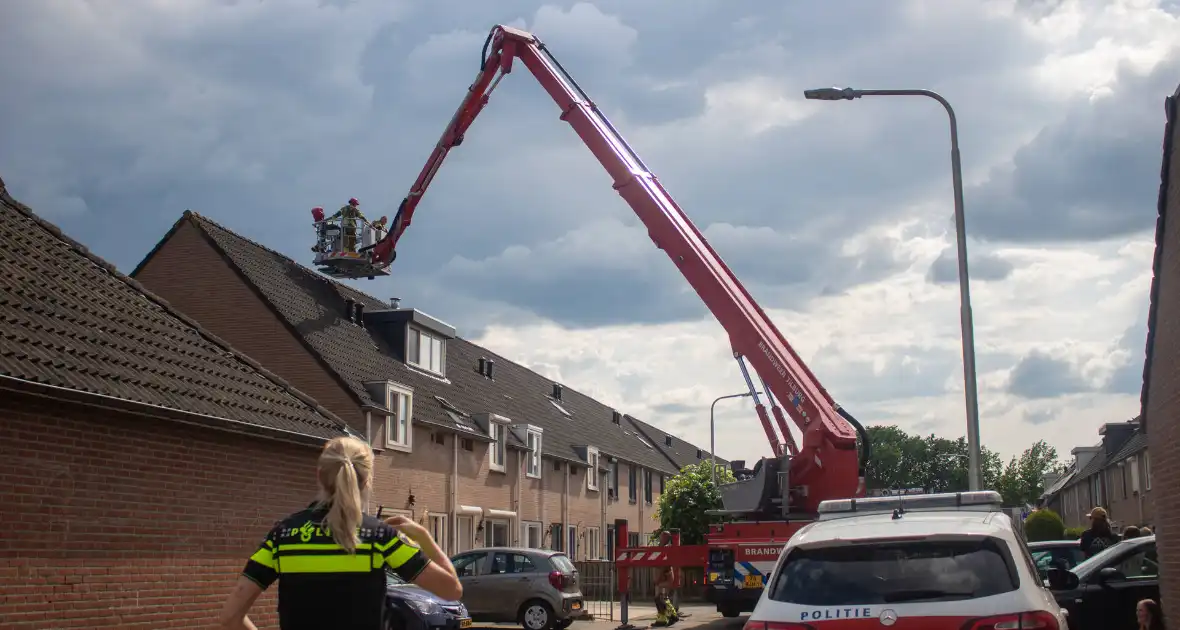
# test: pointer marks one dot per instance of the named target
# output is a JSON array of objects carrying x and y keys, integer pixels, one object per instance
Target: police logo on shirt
[{"x": 406, "y": 540}]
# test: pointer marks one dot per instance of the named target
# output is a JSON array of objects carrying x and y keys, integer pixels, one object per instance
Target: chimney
[
  {"x": 395, "y": 302},
  {"x": 491, "y": 373},
  {"x": 348, "y": 304},
  {"x": 483, "y": 366},
  {"x": 668, "y": 440},
  {"x": 616, "y": 417},
  {"x": 557, "y": 391},
  {"x": 358, "y": 314}
]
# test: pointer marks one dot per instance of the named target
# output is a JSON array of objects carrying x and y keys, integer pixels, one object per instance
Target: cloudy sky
[{"x": 117, "y": 116}]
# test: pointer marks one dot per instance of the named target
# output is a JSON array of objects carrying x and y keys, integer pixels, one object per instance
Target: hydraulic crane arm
[{"x": 826, "y": 463}]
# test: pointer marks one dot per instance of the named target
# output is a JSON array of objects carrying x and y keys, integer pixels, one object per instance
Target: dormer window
[
  {"x": 398, "y": 430},
  {"x": 533, "y": 468},
  {"x": 592, "y": 473},
  {"x": 426, "y": 350},
  {"x": 498, "y": 450}
]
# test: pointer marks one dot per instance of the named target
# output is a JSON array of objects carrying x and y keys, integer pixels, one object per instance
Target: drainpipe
[
  {"x": 516, "y": 498},
  {"x": 453, "y": 544},
  {"x": 601, "y": 513},
  {"x": 565, "y": 514}
]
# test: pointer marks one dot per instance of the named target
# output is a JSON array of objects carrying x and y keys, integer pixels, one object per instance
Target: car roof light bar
[{"x": 977, "y": 501}]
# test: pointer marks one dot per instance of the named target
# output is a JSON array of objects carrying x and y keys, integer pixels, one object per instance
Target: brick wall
[
  {"x": 1127, "y": 507},
  {"x": 1163, "y": 403},
  {"x": 115, "y": 521}
]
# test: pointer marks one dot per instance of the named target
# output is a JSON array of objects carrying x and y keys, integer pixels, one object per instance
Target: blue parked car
[{"x": 413, "y": 608}]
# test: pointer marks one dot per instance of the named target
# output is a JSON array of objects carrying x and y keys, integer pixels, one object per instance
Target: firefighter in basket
[
  {"x": 350, "y": 217},
  {"x": 321, "y": 230}
]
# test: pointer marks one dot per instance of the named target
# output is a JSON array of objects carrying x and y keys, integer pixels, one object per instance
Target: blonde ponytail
[{"x": 345, "y": 471}]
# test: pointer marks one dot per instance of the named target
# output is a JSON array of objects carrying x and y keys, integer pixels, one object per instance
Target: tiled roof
[
  {"x": 1134, "y": 444},
  {"x": 313, "y": 305},
  {"x": 1170, "y": 107},
  {"x": 69, "y": 319}
]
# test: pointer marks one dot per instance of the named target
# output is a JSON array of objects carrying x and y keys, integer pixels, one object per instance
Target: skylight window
[
  {"x": 560, "y": 408},
  {"x": 645, "y": 442}
]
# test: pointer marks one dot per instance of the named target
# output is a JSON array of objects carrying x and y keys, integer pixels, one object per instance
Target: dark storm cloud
[
  {"x": 982, "y": 266},
  {"x": 1039, "y": 375},
  {"x": 252, "y": 115},
  {"x": 1095, "y": 175}
]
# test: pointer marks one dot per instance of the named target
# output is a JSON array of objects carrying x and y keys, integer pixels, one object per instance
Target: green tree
[
  {"x": 901, "y": 460},
  {"x": 1044, "y": 524},
  {"x": 685, "y": 499},
  {"x": 1021, "y": 482}
]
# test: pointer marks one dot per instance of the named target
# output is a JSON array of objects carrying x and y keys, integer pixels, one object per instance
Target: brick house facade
[
  {"x": 482, "y": 450},
  {"x": 1161, "y": 373},
  {"x": 141, "y": 457},
  {"x": 1115, "y": 474}
]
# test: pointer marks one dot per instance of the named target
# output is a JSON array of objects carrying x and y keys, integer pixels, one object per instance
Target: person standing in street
[
  {"x": 330, "y": 559},
  {"x": 1099, "y": 536}
]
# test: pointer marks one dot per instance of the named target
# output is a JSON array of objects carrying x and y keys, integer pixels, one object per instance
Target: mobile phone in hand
[{"x": 380, "y": 509}]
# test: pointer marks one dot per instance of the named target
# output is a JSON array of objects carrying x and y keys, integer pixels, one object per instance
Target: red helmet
[{"x": 353, "y": 202}]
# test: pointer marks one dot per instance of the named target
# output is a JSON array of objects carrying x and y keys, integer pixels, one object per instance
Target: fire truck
[{"x": 779, "y": 494}]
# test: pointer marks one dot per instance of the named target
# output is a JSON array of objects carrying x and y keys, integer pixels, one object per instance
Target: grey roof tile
[
  {"x": 69, "y": 319},
  {"x": 313, "y": 305}
]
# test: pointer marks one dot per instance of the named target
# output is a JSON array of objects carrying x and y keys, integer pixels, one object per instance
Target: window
[
  {"x": 495, "y": 533},
  {"x": 466, "y": 533},
  {"x": 534, "y": 458},
  {"x": 632, "y": 540},
  {"x": 1147, "y": 469},
  {"x": 555, "y": 537},
  {"x": 1133, "y": 464},
  {"x": 572, "y": 551},
  {"x": 593, "y": 544},
  {"x": 613, "y": 480},
  {"x": 531, "y": 535},
  {"x": 426, "y": 351},
  {"x": 468, "y": 444},
  {"x": 398, "y": 430},
  {"x": 1142, "y": 564},
  {"x": 592, "y": 472},
  {"x": 468, "y": 565},
  {"x": 438, "y": 529},
  {"x": 497, "y": 454},
  {"x": 610, "y": 542},
  {"x": 893, "y": 573},
  {"x": 511, "y": 563},
  {"x": 661, "y": 484},
  {"x": 647, "y": 486},
  {"x": 632, "y": 484}
]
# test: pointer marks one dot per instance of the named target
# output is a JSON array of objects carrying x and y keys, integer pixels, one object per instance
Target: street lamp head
[{"x": 831, "y": 94}]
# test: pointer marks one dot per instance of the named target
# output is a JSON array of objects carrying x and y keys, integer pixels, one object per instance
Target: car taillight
[
  {"x": 1037, "y": 620},
  {"x": 557, "y": 580},
  {"x": 775, "y": 625}
]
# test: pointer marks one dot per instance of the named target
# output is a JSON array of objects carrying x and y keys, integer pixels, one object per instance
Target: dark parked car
[
  {"x": 1063, "y": 554},
  {"x": 1101, "y": 592},
  {"x": 413, "y": 608}
]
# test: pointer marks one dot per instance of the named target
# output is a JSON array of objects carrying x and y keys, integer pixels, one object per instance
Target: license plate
[
  {"x": 753, "y": 581},
  {"x": 576, "y": 606},
  {"x": 464, "y": 623}
]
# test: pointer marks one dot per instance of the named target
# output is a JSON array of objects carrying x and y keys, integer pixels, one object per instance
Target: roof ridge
[
  {"x": 136, "y": 286},
  {"x": 336, "y": 284}
]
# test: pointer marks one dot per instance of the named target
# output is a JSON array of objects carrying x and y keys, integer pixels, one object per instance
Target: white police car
[{"x": 918, "y": 562}]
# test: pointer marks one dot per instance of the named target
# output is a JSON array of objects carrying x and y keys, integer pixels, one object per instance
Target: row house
[
  {"x": 484, "y": 451},
  {"x": 1115, "y": 474}
]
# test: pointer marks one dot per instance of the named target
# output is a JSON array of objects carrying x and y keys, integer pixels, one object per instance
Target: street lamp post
[
  {"x": 974, "y": 472},
  {"x": 713, "y": 432}
]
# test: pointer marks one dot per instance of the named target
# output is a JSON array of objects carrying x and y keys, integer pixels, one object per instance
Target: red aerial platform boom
[{"x": 825, "y": 466}]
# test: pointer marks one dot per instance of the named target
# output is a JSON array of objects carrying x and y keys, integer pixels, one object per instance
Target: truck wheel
[
  {"x": 536, "y": 615},
  {"x": 729, "y": 611}
]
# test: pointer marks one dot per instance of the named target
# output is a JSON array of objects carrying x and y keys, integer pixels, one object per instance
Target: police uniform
[{"x": 321, "y": 585}]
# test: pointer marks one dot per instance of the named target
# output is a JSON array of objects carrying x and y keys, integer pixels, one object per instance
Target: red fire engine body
[{"x": 780, "y": 494}]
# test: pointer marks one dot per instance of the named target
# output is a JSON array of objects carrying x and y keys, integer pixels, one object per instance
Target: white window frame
[
  {"x": 395, "y": 438},
  {"x": 533, "y": 440},
  {"x": 1133, "y": 463},
  {"x": 498, "y": 431},
  {"x": 489, "y": 525},
  {"x": 593, "y": 544},
  {"x": 434, "y": 365},
  {"x": 592, "y": 471},
  {"x": 437, "y": 526},
  {"x": 1147, "y": 469},
  {"x": 572, "y": 536},
  {"x": 531, "y": 526}
]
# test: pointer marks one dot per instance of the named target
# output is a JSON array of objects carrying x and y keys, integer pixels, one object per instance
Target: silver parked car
[{"x": 533, "y": 587}]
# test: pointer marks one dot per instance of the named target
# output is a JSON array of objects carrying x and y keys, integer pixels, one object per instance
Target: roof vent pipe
[
  {"x": 358, "y": 313},
  {"x": 483, "y": 366},
  {"x": 557, "y": 391},
  {"x": 395, "y": 302},
  {"x": 491, "y": 373},
  {"x": 348, "y": 304}
]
